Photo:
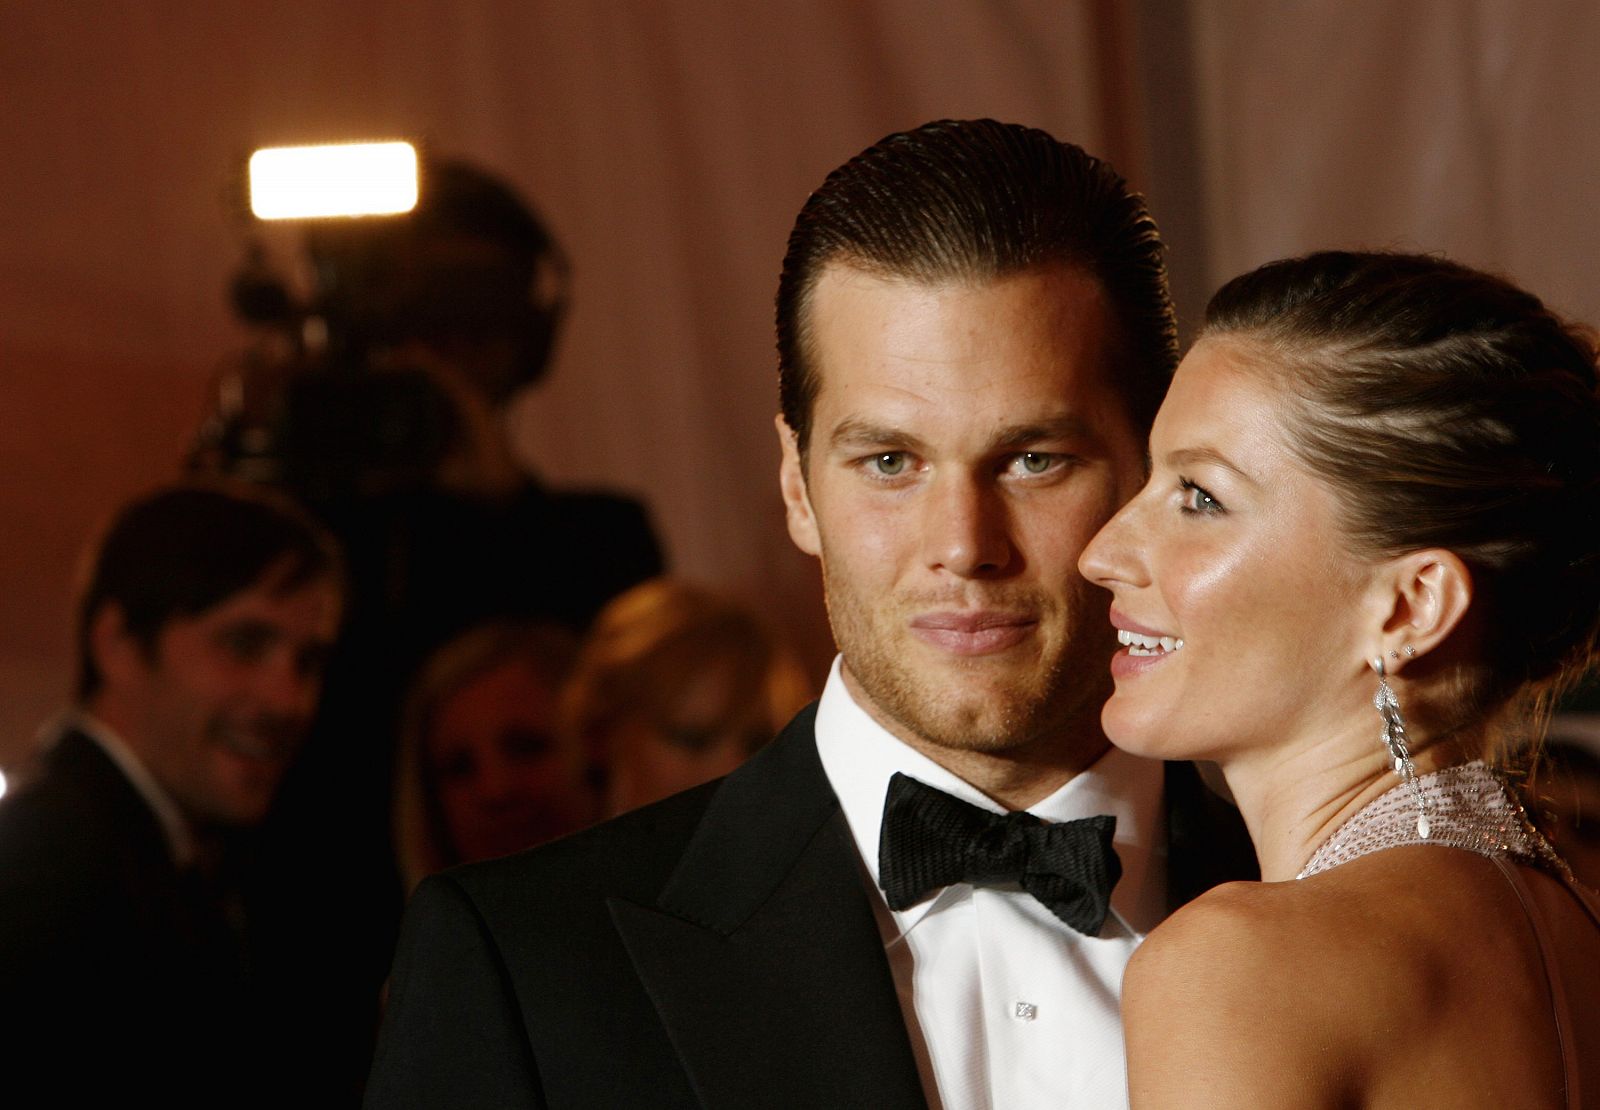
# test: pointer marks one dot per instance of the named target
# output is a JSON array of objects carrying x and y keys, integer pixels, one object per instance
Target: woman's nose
[{"x": 1113, "y": 556}]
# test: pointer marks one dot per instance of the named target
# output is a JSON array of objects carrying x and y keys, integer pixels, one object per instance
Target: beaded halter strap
[{"x": 1468, "y": 806}]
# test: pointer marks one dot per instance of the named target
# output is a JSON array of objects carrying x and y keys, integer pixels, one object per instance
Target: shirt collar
[
  {"x": 180, "y": 838},
  {"x": 859, "y": 756}
]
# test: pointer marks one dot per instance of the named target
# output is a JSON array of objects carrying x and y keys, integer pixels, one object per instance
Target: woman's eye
[
  {"x": 1196, "y": 499},
  {"x": 455, "y": 767},
  {"x": 526, "y": 743},
  {"x": 890, "y": 464}
]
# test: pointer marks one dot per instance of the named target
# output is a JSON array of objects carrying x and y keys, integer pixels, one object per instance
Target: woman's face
[
  {"x": 505, "y": 777},
  {"x": 705, "y": 732},
  {"x": 1239, "y": 606}
]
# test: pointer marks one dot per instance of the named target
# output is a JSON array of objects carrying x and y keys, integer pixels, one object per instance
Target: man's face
[
  {"x": 219, "y": 709},
  {"x": 966, "y": 443}
]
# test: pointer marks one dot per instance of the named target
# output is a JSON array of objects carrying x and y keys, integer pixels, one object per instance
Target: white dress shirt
[{"x": 1008, "y": 1007}]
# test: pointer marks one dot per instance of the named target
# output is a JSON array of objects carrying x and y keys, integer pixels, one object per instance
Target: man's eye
[
  {"x": 1036, "y": 462},
  {"x": 246, "y": 642},
  {"x": 890, "y": 464}
]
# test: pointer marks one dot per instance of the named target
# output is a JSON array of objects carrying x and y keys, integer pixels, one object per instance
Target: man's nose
[
  {"x": 967, "y": 527},
  {"x": 286, "y": 688}
]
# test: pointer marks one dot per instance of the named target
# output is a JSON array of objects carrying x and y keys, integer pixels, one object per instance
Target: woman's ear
[{"x": 1430, "y": 592}]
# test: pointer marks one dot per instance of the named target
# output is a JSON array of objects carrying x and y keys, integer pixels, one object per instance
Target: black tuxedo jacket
[
  {"x": 717, "y": 949},
  {"x": 118, "y": 974}
]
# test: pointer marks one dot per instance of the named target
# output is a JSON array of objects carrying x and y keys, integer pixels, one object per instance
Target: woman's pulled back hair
[{"x": 1449, "y": 409}]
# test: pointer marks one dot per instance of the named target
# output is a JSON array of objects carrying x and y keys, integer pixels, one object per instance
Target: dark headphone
[{"x": 471, "y": 261}]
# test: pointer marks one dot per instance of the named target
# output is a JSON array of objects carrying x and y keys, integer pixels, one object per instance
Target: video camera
[{"x": 426, "y": 278}]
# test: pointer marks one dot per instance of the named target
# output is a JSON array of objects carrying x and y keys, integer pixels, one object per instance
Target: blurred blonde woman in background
[
  {"x": 675, "y": 686},
  {"x": 485, "y": 768}
]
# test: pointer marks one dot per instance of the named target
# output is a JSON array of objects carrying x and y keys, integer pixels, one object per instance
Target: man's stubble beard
[{"x": 1055, "y": 703}]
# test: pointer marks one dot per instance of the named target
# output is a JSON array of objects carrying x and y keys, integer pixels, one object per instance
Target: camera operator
[{"x": 392, "y": 432}]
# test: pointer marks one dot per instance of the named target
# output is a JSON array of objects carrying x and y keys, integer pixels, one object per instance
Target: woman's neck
[{"x": 1295, "y": 796}]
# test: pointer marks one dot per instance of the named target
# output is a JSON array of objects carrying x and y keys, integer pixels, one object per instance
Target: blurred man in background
[{"x": 124, "y": 946}]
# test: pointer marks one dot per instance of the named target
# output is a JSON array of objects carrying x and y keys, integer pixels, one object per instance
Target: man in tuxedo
[
  {"x": 201, "y": 633},
  {"x": 911, "y": 897}
]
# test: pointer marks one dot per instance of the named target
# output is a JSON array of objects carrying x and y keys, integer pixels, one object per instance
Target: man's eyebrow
[
  {"x": 1189, "y": 456},
  {"x": 1066, "y": 426},
  {"x": 855, "y": 433},
  {"x": 256, "y": 625}
]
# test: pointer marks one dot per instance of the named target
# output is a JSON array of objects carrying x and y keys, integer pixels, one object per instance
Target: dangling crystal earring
[{"x": 1394, "y": 738}]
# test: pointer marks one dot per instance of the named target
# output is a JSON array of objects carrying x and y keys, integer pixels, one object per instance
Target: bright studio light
[{"x": 342, "y": 179}]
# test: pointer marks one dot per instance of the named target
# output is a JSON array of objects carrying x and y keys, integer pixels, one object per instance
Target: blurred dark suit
[
  {"x": 119, "y": 974},
  {"x": 424, "y": 565}
]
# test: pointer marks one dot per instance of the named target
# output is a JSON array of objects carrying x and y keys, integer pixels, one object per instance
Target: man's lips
[
  {"x": 973, "y": 631},
  {"x": 259, "y": 742}
]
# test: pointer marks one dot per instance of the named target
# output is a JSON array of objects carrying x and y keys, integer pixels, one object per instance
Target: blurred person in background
[
  {"x": 484, "y": 768},
  {"x": 394, "y": 432},
  {"x": 124, "y": 942},
  {"x": 676, "y": 686}
]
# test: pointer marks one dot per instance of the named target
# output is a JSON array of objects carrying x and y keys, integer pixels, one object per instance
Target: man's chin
[
  {"x": 975, "y": 732},
  {"x": 226, "y": 815},
  {"x": 985, "y": 717},
  {"x": 243, "y": 794}
]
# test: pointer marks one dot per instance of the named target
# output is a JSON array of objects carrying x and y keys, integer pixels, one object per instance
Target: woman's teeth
[{"x": 1147, "y": 645}]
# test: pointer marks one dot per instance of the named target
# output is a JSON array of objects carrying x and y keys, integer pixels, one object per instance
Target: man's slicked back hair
[{"x": 978, "y": 200}]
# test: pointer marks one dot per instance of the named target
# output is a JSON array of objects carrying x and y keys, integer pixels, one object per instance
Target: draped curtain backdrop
[{"x": 669, "y": 145}]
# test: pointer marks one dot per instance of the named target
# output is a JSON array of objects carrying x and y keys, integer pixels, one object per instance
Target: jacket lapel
[{"x": 762, "y": 955}]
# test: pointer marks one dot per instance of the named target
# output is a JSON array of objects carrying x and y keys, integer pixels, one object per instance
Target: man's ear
[
  {"x": 796, "y": 499},
  {"x": 1429, "y": 592},
  {"x": 117, "y": 654}
]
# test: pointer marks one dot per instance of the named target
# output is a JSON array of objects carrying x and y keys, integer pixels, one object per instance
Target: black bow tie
[{"x": 930, "y": 840}]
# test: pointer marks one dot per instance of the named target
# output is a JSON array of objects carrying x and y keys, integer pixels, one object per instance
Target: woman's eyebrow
[{"x": 1189, "y": 456}]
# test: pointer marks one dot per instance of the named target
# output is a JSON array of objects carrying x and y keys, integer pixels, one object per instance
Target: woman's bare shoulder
[
  {"x": 1282, "y": 993},
  {"x": 1317, "y": 928},
  {"x": 1268, "y": 994},
  {"x": 1237, "y": 927},
  {"x": 1230, "y": 996}
]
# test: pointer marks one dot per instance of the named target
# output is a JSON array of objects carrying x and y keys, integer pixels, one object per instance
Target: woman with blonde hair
[
  {"x": 484, "y": 767},
  {"x": 676, "y": 685}
]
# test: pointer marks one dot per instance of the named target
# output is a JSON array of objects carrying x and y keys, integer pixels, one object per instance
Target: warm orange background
[{"x": 669, "y": 145}]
